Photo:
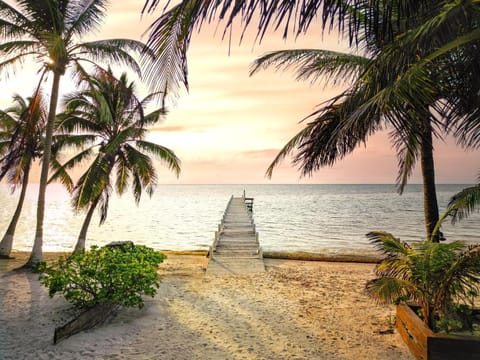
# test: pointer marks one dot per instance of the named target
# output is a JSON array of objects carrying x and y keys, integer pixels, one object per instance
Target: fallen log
[
  {"x": 306, "y": 256},
  {"x": 86, "y": 320}
]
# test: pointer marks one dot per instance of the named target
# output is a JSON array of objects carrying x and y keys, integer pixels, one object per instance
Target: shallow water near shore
[{"x": 312, "y": 218}]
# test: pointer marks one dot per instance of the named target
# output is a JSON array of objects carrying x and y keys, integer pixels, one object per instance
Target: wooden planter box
[{"x": 425, "y": 344}]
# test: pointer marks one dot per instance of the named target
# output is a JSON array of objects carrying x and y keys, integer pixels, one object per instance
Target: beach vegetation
[
  {"x": 22, "y": 127},
  {"x": 415, "y": 72},
  {"x": 120, "y": 274},
  {"x": 111, "y": 123},
  {"x": 442, "y": 278},
  {"x": 50, "y": 33}
]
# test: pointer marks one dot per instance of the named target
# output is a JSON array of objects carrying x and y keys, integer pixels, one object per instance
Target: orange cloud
[{"x": 168, "y": 128}]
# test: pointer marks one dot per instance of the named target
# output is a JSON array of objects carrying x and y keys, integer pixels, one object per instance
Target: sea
[{"x": 326, "y": 219}]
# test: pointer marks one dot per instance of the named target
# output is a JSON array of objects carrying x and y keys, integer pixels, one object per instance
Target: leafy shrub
[{"x": 120, "y": 274}]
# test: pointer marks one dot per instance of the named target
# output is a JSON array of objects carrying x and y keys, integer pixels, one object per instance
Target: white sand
[{"x": 295, "y": 310}]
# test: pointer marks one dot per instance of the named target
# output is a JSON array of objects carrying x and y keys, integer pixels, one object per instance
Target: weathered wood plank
[
  {"x": 413, "y": 331},
  {"x": 86, "y": 320}
]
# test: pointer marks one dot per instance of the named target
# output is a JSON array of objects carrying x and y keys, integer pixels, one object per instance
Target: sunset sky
[{"x": 230, "y": 126}]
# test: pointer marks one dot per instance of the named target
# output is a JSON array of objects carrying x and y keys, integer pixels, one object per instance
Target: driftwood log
[
  {"x": 306, "y": 256},
  {"x": 86, "y": 320}
]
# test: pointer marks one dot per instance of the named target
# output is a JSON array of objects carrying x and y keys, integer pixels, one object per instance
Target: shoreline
[
  {"x": 280, "y": 255},
  {"x": 295, "y": 310}
]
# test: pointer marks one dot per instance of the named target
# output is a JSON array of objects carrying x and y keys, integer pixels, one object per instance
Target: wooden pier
[{"x": 236, "y": 249}]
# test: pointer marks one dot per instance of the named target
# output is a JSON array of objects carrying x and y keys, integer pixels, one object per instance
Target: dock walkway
[{"x": 236, "y": 249}]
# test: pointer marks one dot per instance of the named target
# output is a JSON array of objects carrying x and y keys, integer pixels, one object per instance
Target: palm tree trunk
[
  {"x": 80, "y": 245},
  {"x": 37, "y": 252},
  {"x": 430, "y": 204},
  {"x": 7, "y": 241}
]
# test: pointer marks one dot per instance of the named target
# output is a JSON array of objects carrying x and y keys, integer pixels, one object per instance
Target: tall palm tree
[
  {"x": 50, "y": 32},
  {"x": 346, "y": 121},
  {"x": 22, "y": 128},
  {"x": 113, "y": 123},
  {"x": 424, "y": 63}
]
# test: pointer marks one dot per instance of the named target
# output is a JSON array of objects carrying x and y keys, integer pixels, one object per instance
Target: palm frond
[
  {"x": 390, "y": 290},
  {"x": 334, "y": 134},
  {"x": 92, "y": 183},
  {"x": 462, "y": 278},
  {"x": 112, "y": 50},
  {"x": 83, "y": 17},
  {"x": 314, "y": 65},
  {"x": 407, "y": 145},
  {"x": 289, "y": 148},
  {"x": 387, "y": 243},
  {"x": 104, "y": 202},
  {"x": 123, "y": 174},
  {"x": 162, "y": 153},
  {"x": 61, "y": 174},
  {"x": 17, "y": 47},
  {"x": 66, "y": 141},
  {"x": 13, "y": 22},
  {"x": 143, "y": 171},
  {"x": 372, "y": 22},
  {"x": 169, "y": 38},
  {"x": 462, "y": 204},
  {"x": 10, "y": 65}
]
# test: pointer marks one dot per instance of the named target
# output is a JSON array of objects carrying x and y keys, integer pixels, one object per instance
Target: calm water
[{"x": 319, "y": 218}]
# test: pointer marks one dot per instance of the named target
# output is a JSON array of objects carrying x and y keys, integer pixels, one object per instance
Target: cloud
[
  {"x": 261, "y": 153},
  {"x": 168, "y": 128}
]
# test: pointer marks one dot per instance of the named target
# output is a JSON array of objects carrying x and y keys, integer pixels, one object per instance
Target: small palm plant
[
  {"x": 112, "y": 122},
  {"x": 439, "y": 277}
]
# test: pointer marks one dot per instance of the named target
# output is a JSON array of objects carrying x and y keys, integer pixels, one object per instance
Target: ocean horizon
[{"x": 318, "y": 218}]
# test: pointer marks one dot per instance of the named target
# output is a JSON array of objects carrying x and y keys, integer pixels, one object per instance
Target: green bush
[{"x": 120, "y": 274}]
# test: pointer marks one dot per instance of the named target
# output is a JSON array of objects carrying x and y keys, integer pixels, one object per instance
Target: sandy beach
[{"x": 295, "y": 310}]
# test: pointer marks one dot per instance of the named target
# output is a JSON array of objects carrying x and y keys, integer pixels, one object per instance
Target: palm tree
[
  {"x": 50, "y": 32},
  {"x": 112, "y": 121},
  {"x": 22, "y": 127},
  {"x": 438, "y": 276},
  {"x": 409, "y": 84},
  {"x": 346, "y": 121}
]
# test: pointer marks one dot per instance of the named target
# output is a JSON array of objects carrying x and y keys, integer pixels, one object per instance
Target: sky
[{"x": 229, "y": 127}]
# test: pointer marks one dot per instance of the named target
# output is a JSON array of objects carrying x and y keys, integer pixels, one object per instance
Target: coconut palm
[
  {"x": 113, "y": 123},
  {"x": 50, "y": 32},
  {"x": 22, "y": 127},
  {"x": 408, "y": 84},
  {"x": 437, "y": 276},
  {"x": 346, "y": 121}
]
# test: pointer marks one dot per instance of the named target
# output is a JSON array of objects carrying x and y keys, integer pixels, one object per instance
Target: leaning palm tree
[
  {"x": 22, "y": 128},
  {"x": 346, "y": 121},
  {"x": 50, "y": 32},
  {"x": 111, "y": 119}
]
